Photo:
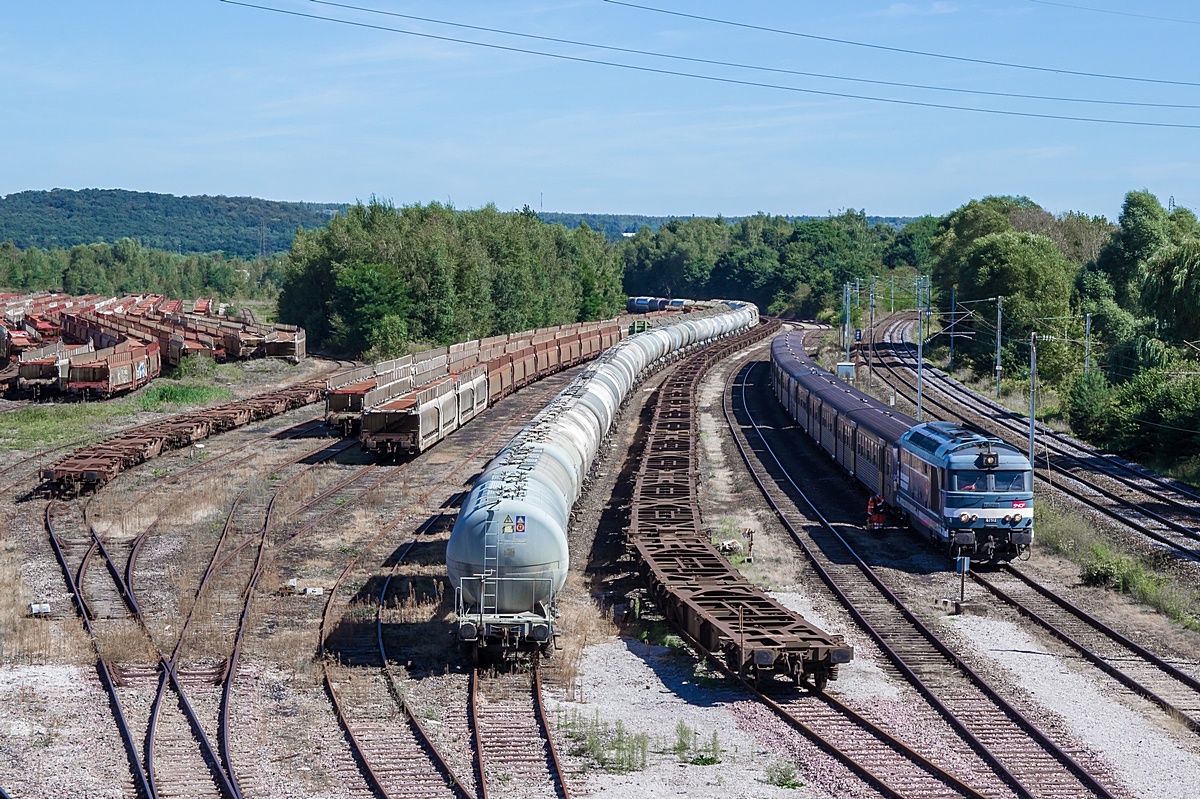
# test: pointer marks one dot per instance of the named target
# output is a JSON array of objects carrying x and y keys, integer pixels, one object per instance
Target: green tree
[
  {"x": 958, "y": 231},
  {"x": 1171, "y": 291},
  {"x": 1145, "y": 228},
  {"x": 913, "y": 247},
  {"x": 460, "y": 274},
  {"x": 1035, "y": 279},
  {"x": 366, "y": 295}
]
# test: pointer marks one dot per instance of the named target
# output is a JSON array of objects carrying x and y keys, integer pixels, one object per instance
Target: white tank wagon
[{"x": 507, "y": 556}]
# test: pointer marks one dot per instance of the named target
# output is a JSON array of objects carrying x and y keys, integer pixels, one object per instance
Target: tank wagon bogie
[
  {"x": 507, "y": 556},
  {"x": 968, "y": 493}
]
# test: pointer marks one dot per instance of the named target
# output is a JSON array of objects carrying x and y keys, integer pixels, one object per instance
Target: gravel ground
[
  {"x": 652, "y": 689},
  {"x": 1149, "y": 760},
  {"x": 57, "y": 737}
]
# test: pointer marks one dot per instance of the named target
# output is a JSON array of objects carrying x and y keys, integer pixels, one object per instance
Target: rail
[
  {"x": 1187, "y": 551},
  {"x": 789, "y": 486}
]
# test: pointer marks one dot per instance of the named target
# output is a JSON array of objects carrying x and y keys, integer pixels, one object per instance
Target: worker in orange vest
[{"x": 876, "y": 517}]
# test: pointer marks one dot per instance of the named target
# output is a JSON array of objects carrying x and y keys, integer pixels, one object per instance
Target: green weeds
[
  {"x": 783, "y": 774},
  {"x": 51, "y": 424},
  {"x": 689, "y": 749},
  {"x": 162, "y": 394},
  {"x": 1102, "y": 563},
  {"x": 608, "y": 746}
]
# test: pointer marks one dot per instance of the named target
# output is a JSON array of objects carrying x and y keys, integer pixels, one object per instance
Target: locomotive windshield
[
  {"x": 968, "y": 481},
  {"x": 1010, "y": 481},
  {"x": 971, "y": 480}
]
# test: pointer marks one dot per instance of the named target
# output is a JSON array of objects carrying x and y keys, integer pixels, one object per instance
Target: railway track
[
  {"x": 1131, "y": 497},
  {"x": 397, "y": 756},
  {"x": 1131, "y": 664},
  {"x": 666, "y": 495},
  {"x": 1137, "y": 668},
  {"x": 515, "y": 753},
  {"x": 1019, "y": 753},
  {"x": 169, "y": 762},
  {"x": 111, "y": 619}
]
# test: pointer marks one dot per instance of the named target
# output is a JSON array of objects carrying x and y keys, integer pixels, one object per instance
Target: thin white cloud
[{"x": 913, "y": 10}]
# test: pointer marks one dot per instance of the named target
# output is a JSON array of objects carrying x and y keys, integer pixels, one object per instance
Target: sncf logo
[{"x": 1018, "y": 503}]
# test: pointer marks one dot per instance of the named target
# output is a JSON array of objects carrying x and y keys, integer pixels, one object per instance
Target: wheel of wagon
[
  {"x": 475, "y": 653},
  {"x": 820, "y": 680}
]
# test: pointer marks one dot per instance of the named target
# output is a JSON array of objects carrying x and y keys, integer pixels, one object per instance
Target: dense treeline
[
  {"x": 1139, "y": 281},
  {"x": 788, "y": 267},
  {"x": 379, "y": 277},
  {"x": 128, "y": 267},
  {"x": 618, "y": 226},
  {"x": 241, "y": 226}
]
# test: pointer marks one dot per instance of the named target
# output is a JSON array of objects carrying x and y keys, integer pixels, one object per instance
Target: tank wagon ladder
[
  {"x": 964, "y": 699},
  {"x": 489, "y": 599}
]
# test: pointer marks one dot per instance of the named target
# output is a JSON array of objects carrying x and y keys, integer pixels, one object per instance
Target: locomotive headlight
[
  {"x": 1017, "y": 518},
  {"x": 974, "y": 518},
  {"x": 964, "y": 517},
  {"x": 1007, "y": 519}
]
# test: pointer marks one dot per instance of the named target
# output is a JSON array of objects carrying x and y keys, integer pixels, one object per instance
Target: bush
[
  {"x": 195, "y": 366},
  {"x": 1089, "y": 406},
  {"x": 162, "y": 394},
  {"x": 783, "y": 774}
]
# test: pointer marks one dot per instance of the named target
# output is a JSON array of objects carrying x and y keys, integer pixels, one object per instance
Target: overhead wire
[
  {"x": 755, "y": 67},
  {"x": 714, "y": 78},
  {"x": 1115, "y": 13},
  {"x": 904, "y": 50}
]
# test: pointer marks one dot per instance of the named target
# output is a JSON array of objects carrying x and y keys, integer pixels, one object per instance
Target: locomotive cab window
[
  {"x": 1010, "y": 481},
  {"x": 969, "y": 481}
]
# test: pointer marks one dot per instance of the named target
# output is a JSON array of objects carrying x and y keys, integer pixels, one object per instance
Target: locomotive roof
[{"x": 940, "y": 439}]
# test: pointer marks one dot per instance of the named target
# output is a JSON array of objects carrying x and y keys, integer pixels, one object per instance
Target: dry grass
[
  {"x": 32, "y": 641},
  {"x": 289, "y": 498},
  {"x": 416, "y": 601},
  {"x": 582, "y": 623},
  {"x": 124, "y": 641},
  {"x": 1105, "y": 563}
]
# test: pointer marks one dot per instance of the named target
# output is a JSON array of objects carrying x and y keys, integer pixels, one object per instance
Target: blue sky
[{"x": 204, "y": 97}]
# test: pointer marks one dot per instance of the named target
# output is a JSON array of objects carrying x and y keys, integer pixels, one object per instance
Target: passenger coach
[{"x": 969, "y": 493}]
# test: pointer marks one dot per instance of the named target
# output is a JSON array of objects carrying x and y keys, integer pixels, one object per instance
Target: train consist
[
  {"x": 408, "y": 404},
  {"x": 101, "y": 346},
  {"x": 969, "y": 493},
  {"x": 691, "y": 583},
  {"x": 652, "y": 304},
  {"x": 507, "y": 556},
  {"x": 92, "y": 466}
]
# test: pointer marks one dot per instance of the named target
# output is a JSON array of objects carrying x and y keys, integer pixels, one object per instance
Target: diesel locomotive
[{"x": 968, "y": 493}]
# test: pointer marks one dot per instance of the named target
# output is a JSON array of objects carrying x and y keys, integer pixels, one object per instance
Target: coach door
[
  {"x": 829, "y": 429},
  {"x": 847, "y": 431}
]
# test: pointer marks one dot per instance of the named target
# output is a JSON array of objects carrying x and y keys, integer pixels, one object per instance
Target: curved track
[
  {"x": 1019, "y": 753},
  {"x": 888, "y": 764},
  {"x": 396, "y": 756},
  {"x": 1138, "y": 500}
]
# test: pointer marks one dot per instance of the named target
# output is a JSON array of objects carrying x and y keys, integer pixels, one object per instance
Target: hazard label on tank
[{"x": 520, "y": 524}]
